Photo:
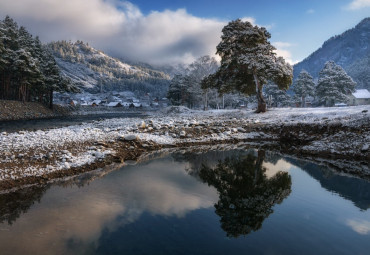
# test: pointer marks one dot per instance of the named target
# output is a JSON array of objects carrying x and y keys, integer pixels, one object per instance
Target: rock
[
  {"x": 67, "y": 165},
  {"x": 364, "y": 111},
  {"x": 365, "y": 148},
  {"x": 98, "y": 154},
  {"x": 142, "y": 125},
  {"x": 131, "y": 137},
  {"x": 240, "y": 129},
  {"x": 182, "y": 134}
]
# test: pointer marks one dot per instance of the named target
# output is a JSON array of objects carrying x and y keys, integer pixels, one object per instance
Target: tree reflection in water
[{"x": 246, "y": 194}]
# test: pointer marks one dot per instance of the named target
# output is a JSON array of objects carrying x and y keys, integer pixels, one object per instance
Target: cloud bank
[
  {"x": 358, "y": 4},
  {"x": 120, "y": 28}
]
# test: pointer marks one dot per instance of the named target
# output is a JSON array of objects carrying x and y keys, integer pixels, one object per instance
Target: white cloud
[
  {"x": 310, "y": 11},
  {"x": 362, "y": 227},
  {"x": 358, "y": 4},
  {"x": 119, "y": 28},
  {"x": 251, "y": 20},
  {"x": 282, "y": 49}
]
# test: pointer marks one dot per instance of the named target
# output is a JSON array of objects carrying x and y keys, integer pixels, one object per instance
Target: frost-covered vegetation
[
  {"x": 350, "y": 50},
  {"x": 28, "y": 71},
  {"x": 311, "y": 131},
  {"x": 94, "y": 71},
  {"x": 248, "y": 62}
]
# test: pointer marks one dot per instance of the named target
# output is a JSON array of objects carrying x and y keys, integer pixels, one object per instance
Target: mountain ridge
[
  {"x": 94, "y": 71},
  {"x": 351, "y": 50}
]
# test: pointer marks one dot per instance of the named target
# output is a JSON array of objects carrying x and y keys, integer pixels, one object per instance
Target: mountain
[
  {"x": 94, "y": 71},
  {"x": 351, "y": 50}
]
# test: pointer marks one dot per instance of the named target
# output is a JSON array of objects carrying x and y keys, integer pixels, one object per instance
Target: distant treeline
[{"x": 28, "y": 71}]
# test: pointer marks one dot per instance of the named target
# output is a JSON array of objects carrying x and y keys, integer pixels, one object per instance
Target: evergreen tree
[
  {"x": 304, "y": 86},
  {"x": 177, "y": 92},
  {"x": 186, "y": 89},
  {"x": 334, "y": 84},
  {"x": 2, "y": 48},
  {"x": 248, "y": 61},
  {"x": 277, "y": 97},
  {"x": 28, "y": 70},
  {"x": 27, "y": 65}
]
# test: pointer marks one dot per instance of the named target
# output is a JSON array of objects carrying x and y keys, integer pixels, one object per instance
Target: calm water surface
[{"x": 219, "y": 202}]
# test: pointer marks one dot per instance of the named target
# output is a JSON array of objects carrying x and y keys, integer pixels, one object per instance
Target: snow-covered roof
[
  {"x": 361, "y": 93},
  {"x": 340, "y": 104},
  {"x": 96, "y": 101},
  {"x": 112, "y": 104}
]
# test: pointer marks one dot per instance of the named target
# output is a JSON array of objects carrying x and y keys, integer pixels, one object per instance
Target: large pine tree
[
  {"x": 334, "y": 84},
  {"x": 248, "y": 61}
]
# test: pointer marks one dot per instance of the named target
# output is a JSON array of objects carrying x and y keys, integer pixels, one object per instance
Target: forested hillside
[
  {"x": 351, "y": 50},
  {"x": 28, "y": 71},
  {"x": 94, "y": 71}
]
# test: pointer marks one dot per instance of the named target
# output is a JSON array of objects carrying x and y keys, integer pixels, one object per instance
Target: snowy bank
[{"x": 325, "y": 132}]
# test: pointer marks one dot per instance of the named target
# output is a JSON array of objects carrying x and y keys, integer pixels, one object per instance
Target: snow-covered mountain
[
  {"x": 93, "y": 70},
  {"x": 351, "y": 50}
]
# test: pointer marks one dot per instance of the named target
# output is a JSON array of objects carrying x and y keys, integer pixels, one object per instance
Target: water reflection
[
  {"x": 71, "y": 218},
  {"x": 354, "y": 189},
  {"x": 14, "y": 204},
  {"x": 246, "y": 194},
  {"x": 167, "y": 204}
]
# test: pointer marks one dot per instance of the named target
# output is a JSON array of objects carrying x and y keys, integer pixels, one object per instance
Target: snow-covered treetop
[
  {"x": 246, "y": 54},
  {"x": 334, "y": 83},
  {"x": 304, "y": 85}
]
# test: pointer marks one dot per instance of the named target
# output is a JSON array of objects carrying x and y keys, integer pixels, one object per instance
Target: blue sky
[
  {"x": 305, "y": 24},
  {"x": 176, "y": 31}
]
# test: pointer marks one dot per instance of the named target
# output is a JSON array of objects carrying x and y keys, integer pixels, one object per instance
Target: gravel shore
[{"x": 334, "y": 136}]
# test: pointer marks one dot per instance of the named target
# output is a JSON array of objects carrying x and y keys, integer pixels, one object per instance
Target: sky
[{"x": 162, "y": 32}]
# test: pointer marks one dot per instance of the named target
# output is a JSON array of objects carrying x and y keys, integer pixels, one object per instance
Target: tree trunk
[
  {"x": 261, "y": 101},
  {"x": 205, "y": 108},
  {"x": 303, "y": 102},
  {"x": 51, "y": 99},
  {"x": 258, "y": 166}
]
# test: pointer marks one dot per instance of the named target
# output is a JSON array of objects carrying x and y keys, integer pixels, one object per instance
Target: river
[
  {"x": 37, "y": 124},
  {"x": 239, "y": 201}
]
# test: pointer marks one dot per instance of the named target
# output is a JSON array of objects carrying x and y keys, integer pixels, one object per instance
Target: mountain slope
[
  {"x": 94, "y": 71},
  {"x": 351, "y": 50}
]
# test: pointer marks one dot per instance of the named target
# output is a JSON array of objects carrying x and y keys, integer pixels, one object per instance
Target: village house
[{"x": 359, "y": 97}]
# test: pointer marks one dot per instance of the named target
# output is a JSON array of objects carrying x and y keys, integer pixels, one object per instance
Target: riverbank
[
  {"x": 323, "y": 134},
  {"x": 16, "y": 110}
]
